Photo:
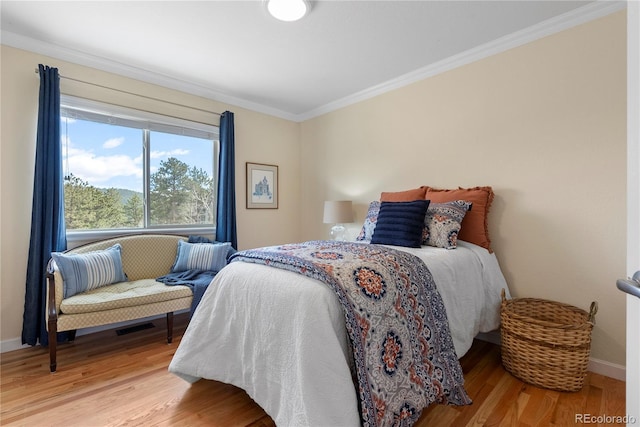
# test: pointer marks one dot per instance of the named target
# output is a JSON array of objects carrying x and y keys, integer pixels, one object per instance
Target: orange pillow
[
  {"x": 404, "y": 196},
  {"x": 474, "y": 227}
]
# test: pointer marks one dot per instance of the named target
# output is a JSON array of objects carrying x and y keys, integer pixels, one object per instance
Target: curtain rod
[{"x": 136, "y": 94}]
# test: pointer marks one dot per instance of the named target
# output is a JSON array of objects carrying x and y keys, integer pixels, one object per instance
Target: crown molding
[
  {"x": 104, "y": 64},
  {"x": 562, "y": 22},
  {"x": 551, "y": 26}
]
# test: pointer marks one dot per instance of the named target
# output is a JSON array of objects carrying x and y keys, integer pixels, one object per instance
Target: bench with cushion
[{"x": 111, "y": 281}]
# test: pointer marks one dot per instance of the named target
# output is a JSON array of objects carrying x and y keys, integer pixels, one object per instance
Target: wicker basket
[{"x": 546, "y": 343}]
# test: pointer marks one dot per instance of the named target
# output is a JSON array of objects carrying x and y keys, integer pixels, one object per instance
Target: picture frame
[{"x": 262, "y": 186}]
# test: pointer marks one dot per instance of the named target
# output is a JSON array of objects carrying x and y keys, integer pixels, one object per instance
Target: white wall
[{"x": 544, "y": 124}]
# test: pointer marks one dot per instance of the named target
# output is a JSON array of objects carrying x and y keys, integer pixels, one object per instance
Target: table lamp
[{"x": 338, "y": 213}]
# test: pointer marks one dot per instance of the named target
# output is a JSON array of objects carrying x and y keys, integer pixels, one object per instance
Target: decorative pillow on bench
[
  {"x": 91, "y": 270},
  {"x": 201, "y": 256}
]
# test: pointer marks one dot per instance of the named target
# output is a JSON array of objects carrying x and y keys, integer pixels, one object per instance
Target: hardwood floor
[{"x": 109, "y": 380}]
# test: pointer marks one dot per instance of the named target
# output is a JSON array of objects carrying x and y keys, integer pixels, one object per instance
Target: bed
[{"x": 275, "y": 323}]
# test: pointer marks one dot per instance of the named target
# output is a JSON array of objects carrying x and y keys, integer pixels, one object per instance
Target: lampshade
[
  {"x": 287, "y": 10},
  {"x": 337, "y": 212}
]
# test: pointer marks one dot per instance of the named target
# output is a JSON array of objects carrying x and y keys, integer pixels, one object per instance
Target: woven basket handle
[
  {"x": 592, "y": 312},
  {"x": 503, "y": 295}
]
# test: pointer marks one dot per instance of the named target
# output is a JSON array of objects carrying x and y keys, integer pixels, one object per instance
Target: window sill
[{"x": 77, "y": 238}]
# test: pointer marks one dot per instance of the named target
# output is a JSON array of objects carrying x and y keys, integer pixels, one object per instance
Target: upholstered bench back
[{"x": 144, "y": 256}]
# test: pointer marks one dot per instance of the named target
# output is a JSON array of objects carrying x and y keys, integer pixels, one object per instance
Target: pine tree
[
  {"x": 201, "y": 197},
  {"x": 170, "y": 193},
  {"x": 89, "y": 207},
  {"x": 109, "y": 209},
  {"x": 134, "y": 211},
  {"x": 178, "y": 195},
  {"x": 78, "y": 196}
]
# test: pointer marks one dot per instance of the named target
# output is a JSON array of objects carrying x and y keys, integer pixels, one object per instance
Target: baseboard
[
  {"x": 16, "y": 343},
  {"x": 597, "y": 366},
  {"x": 11, "y": 345},
  {"x": 608, "y": 369}
]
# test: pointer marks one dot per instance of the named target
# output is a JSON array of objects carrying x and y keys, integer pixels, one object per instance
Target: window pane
[
  {"x": 182, "y": 180},
  {"x": 103, "y": 175},
  {"x": 132, "y": 169}
]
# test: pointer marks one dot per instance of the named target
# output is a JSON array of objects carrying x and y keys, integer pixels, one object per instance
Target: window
[{"x": 127, "y": 169}]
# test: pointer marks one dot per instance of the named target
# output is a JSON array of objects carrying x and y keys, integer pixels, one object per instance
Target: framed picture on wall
[{"x": 262, "y": 186}]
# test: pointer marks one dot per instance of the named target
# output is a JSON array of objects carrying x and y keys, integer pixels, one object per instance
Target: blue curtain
[
  {"x": 48, "y": 233},
  {"x": 226, "y": 207}
]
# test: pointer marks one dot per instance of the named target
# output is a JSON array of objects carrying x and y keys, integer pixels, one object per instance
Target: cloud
[
  {"x": 105, "y": 170},
  {"x": 98, "y": 170},
  {"x": 113, "y": 142},
  {"x": 176, "y": 152}
]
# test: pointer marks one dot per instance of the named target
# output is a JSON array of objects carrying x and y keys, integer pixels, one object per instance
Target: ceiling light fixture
[{"x": 287, "y": 10}]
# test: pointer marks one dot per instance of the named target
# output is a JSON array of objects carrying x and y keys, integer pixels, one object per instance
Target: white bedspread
[{"x": 281, "y": 336}]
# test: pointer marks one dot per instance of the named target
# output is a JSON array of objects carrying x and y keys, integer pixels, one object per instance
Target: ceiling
[{"x": 234, "y": 52}]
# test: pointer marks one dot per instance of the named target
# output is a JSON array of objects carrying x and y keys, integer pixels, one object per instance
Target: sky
[{"x": 111, "y": 156}]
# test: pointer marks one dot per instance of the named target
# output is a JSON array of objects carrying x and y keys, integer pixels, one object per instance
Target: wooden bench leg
[
  {"x": 53, "y": 341},
  {"x": 169, "y": 327}
]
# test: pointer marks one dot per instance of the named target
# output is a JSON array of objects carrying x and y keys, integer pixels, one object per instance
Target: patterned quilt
[{"x": 396, "y": 320}]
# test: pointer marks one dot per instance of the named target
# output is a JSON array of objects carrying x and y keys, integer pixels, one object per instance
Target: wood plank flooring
[{"x": 109, "y": 380}]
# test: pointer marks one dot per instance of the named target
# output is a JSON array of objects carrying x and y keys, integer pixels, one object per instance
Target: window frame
[{"x": 102, "y": 112}]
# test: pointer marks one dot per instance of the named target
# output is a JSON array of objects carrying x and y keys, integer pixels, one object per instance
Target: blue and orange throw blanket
[{"x": 396, "y": 320}]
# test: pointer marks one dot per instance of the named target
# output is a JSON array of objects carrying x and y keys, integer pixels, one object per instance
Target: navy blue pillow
[{"x": 400, "y": 223}]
